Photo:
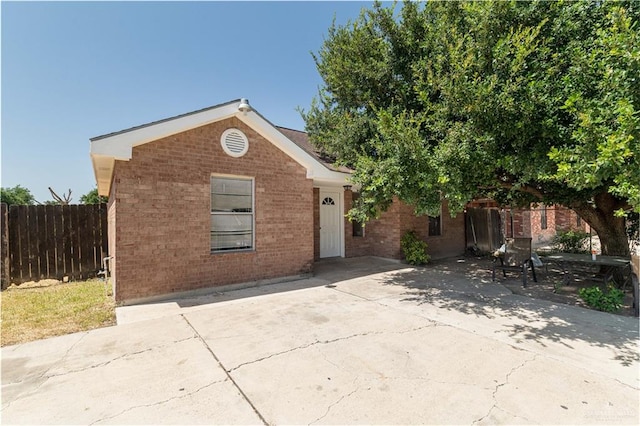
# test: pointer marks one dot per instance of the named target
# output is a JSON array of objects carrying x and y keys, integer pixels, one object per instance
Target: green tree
[
  {"x": 525, "y": 102},
  {"x": 17, "y": 196},
  {"x": 92, "y": 197}
]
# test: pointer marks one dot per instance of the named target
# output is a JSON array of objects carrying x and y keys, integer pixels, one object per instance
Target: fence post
[{"x": 4, "y": 246}]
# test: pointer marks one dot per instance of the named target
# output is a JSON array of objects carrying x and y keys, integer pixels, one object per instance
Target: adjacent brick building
[
  {"x": 220, "y": 196},
  {"x": 542, "y": 223},
  {"x": 539, "y": 222}
]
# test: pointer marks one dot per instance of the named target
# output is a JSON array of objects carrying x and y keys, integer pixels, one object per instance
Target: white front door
[{"x": 330, "y": 222}]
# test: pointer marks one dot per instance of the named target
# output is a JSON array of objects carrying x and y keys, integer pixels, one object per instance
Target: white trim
[
  {"x": 315, "y": 169},
  {"x": 119, "y": 146},
  {"x": 103, "y": 171}
]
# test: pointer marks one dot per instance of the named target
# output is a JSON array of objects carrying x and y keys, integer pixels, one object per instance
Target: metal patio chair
[{"x": 517, "y": 258}]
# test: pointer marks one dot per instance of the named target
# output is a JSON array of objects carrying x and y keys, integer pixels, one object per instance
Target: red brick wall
[
  {"x": 542, "y": 236},
  {"x": 163, "y": 214},
  {"x": 449, "y": 243},
  {"x": 522, "y": 223},
  {"x": 567, "y": 219},
  {"x": 564, "y": 218},
  {"x": 527, "y": 222},
  {"x": 382, "y": 236}
]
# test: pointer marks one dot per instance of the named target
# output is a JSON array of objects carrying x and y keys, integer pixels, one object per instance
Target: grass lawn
[{"x": 36, "y": 312}]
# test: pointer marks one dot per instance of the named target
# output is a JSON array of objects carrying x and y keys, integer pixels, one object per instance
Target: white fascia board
[
  {"x": 104, "y": 151},
  {"x": 103, "y": 170},
  {"x": 120, "y": 146},
  {"x": 333, "y": 181},
  {"x": 315, "y": 169}
]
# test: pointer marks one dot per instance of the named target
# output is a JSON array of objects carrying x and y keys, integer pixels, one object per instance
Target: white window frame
[{"x": 252, "y": 213}]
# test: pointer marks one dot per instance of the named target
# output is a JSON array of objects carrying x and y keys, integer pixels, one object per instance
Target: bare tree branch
[{"x": 64, "y": 200}]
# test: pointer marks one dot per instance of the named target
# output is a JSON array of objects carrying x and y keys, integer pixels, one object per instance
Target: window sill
[{"x": 249, "y": 250}]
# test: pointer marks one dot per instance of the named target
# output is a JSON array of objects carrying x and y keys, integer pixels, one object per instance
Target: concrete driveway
[{"x": 366, "y": 341}]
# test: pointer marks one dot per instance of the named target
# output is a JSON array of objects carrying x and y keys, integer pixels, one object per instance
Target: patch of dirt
[
  {"x": 35, "y": 284},
  {"x": 551, "y": 287}
]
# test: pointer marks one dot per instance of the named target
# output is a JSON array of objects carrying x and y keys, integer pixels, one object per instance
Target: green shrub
[
  {"x": 611, "y": 301},
  {"x": 414, "y": 249},
  {"x": 570, "y": 241}
]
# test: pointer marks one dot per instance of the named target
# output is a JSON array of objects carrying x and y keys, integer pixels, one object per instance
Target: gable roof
[
  {"x": 106, "y": 149},
  {"x": 301, "y": 139}
]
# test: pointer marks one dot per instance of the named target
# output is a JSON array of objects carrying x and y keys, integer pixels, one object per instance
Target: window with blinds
[{"x": 231, "y": 214}]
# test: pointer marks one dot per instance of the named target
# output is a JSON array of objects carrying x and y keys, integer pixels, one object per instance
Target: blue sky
[{"x": 72, "y": 71}]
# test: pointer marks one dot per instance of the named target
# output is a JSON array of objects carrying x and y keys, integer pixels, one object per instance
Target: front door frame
[{"x": 322, "y": 191}]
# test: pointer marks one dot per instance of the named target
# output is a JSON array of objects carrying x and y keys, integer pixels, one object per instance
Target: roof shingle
[{"x": 301, "y": 139}]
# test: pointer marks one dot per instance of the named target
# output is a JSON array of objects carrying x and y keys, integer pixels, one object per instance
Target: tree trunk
[
  {"x": 610, "y": 229},
  {"x": 613, "y": 238}
]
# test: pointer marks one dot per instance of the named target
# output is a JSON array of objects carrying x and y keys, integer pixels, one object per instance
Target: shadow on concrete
[
  {"x": 461, "y": 285},
  {"x": 224, "y": 295},
  {"x": 338, "y": 269},
  {"x": 326, "y": 272},
  {"x": 464, "y": 285}
]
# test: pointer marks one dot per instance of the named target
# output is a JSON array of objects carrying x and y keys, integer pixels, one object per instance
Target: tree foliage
[
  {"x": 525, "y": 102},
  {"x": 92, "y": 197},
  {"x": 17, "y": 196}
]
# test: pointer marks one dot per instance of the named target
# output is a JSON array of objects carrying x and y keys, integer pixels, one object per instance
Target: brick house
[
  {"x": 221, "y": 196},
  {"x": 542, "y": 223}
]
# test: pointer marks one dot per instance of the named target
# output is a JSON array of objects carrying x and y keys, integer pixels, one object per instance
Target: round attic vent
[{"x": 234, "y": 142}]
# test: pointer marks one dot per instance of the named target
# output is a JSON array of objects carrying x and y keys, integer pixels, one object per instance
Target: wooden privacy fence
[
  {"x": 484, "y": 229},
  {"x": 52, "y": 241}
]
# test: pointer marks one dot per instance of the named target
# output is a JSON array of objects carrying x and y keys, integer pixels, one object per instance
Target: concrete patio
[{"x": 365, "y": 341}]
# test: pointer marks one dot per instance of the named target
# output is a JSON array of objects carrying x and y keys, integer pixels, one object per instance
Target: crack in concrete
[
  {"x": 524, "y": 419},
  {"x": 308, "y": 345},
  {"x": 324, "y": 356},
  {"x": 504, "y": 383},
  {"x": 125, "y": 355},
  {"x": 325, "y": 342},
  {"x": 44, "y": 377},
  {"x": 333, "y": 404},
  {"x": 158, "y": 402},
  {"x": 626, "y": 385},
  {"x": 63, "y": 357},
  {"x": 244, "y": 395}
]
